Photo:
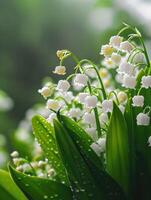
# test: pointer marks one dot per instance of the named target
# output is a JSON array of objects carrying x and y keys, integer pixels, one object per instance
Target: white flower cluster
[
  {"x": 39, "y": 168},
  {"x": 88, "y": 94},
  {"x": 125, "y": 58}
]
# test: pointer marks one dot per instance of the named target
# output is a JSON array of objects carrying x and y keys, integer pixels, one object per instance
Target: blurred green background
[{"x": 31, "y": 31}]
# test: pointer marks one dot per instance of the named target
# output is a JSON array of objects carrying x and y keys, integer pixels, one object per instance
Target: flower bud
[
  {"x": 122, "y": 97},
  {"x": 14, "y": 154},
  {"x": 60, "y": 54}
]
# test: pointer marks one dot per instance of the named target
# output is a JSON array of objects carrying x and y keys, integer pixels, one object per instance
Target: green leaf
[
  {"x": 82, "y": 140},
  {"x": 108, "y": 186},
  {"x": 46, "y": 138},
  {"x": 117, "y": 150},
  {"x": 83, "y": 184},
  {"x": 9, "y": 190},
  {"x": 38, "y": 188},
  {"x": 142, "y": 134}
]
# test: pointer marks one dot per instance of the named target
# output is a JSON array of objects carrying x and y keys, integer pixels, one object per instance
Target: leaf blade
[
  {"x": 117, "y": 153},
  {"x": 38, "y": 188},
  {"x": 8, "y": 190},
  {"x": 108, "y": 186},
  {"x": 45, "y": 135},
  {"x": 82, "y": 182}
]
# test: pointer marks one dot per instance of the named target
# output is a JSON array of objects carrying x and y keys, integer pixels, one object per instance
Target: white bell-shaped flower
[
  {"x": 116, "y": 58},
  {"x": 81, "y": 97},
  {"x": 143, "y": 119},
  {"x": 91, "y": 101},
  {"x": 107, "y": 106},
  {"x": 102, "y": 143},
  {"x": 126, "y": 68},
  {"x": 63, "y": 86},
  {"x": 103, "y": 72},
  {"x": 122, "y": 96},
  {"x": 103, "y": 118},
  {"x": 45, "y": 92},
  {"x": 126, "y": 46},
  {"x": 92, "y": 132},
  {"x": 138, "y": 101},
  {"x": 88, "y": 118},
  {"x": 129, "y": 81},
  {"x": 108, "y": 63},
  {"x": 60, "y": 70},
  {"x": 80, "y": 80},
  {"x": 75, "y": 113},
  {"x": 53, "y": 104},
  {"x": 90, "y": 71},
  {"x": 68, "y": 96},
  {"x": 106, "y": 50},
  {"x": 146, "y": 81},
  {"x": 115, "y": 41}
]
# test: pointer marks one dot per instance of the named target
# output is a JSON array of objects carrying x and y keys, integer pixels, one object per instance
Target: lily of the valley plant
[{"x": 96, "y": 141}]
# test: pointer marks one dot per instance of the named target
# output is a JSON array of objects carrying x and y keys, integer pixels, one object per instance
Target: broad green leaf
[
  {"x": 117, "y": 150},
  {"x": 8, "y": 189},
  {"x": 132, "y": 134},
  {"x": 108, "y": 186},
  {"x": 82, "y": 139},
  {"x": 83, "y": 184},
  {"x": 45, "y": 135},
  {"x": 38, "y": 188}
]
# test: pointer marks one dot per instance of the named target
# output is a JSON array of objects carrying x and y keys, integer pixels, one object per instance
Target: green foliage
[
  {"x": 117, "y": 150},
  {"x": 82, "y": 140},
  {"x": 108, "y": 186},
  {"x": 37, "y": 188},
  {"x": 45, "y": 135},
  {"x": 9, "y": 190},
  {"x": 80, "y": 176},
  {"x": 87, "y": 177}
]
